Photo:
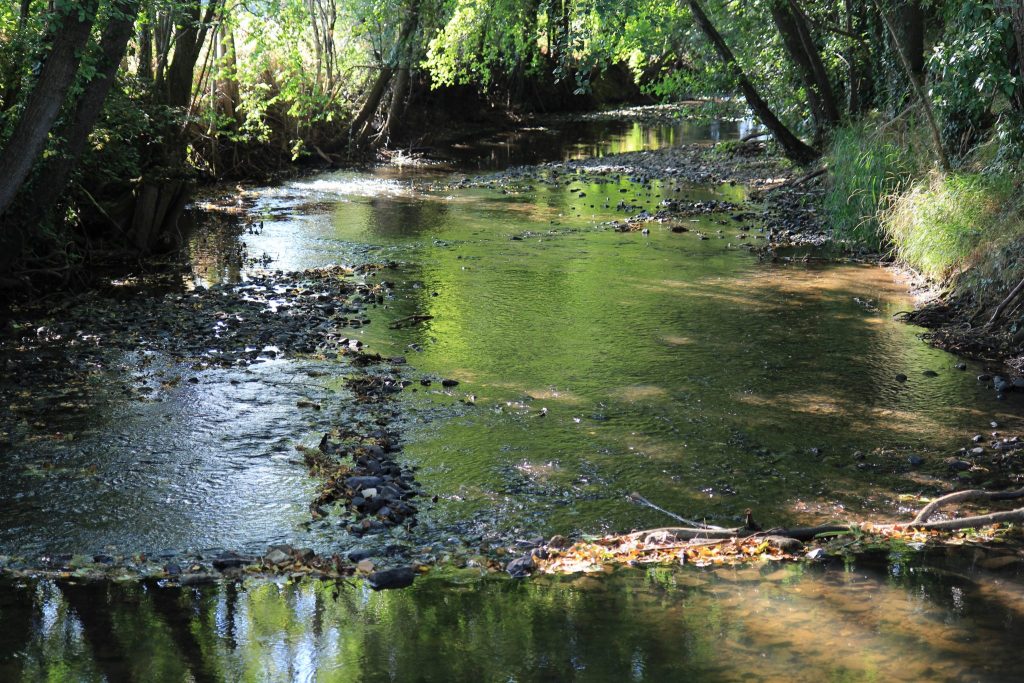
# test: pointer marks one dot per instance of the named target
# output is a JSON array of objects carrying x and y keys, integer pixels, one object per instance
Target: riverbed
[{"x": 583, "y": 364}]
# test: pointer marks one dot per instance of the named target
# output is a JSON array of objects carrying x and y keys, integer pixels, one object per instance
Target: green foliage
[
  {"x": 970, "y": 67},
  {"x": 940, "y": 221},
  {"x": 864, "y": 169}
]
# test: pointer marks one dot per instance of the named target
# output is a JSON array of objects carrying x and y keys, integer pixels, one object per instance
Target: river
[{"x": 590, "y": 364}]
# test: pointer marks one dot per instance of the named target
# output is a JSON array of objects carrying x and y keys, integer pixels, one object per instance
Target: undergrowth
[
  {"x": 939, "y": 222},
  {"x": 864, "y": 168}
]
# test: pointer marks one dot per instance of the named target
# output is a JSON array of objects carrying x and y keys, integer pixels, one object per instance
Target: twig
[
  {"x": 637, "y": 498},
  {"x": 411, "y": 319}
]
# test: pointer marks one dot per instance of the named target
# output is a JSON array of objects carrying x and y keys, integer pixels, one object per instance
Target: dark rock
[
  {"x": 521, "y": 567},
  {"x": 984, "y": 378},
  {"x": 359, "y": 554},
  {"x": 230, "y": 560},
  {"x": 785, "y": 543},
  {"x": 930, "y": 373},
  {"x": 915, "y": 460},
  {"x": 1001, "y": 384},
  {"x": 360, "y": 483},
  {"x": 449, "y": 383},
  {"x": 900, "y": 377},
  {"x": 559, "y": 542},
  {"x": 958, "y": 465},
  {"x": 400, "y": 577},
  {"x": 960, "y": 366},
  {"x": 304, "y": 555}
]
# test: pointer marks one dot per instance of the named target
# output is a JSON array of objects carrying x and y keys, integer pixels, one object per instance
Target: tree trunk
[
  {"x": 75, "y": 133},
  {"x": 793, "y": 147},
  {"x": 911, "y": 35},
  {"x": 28, "y": 140},
  {"x": 818, "y": 71}
]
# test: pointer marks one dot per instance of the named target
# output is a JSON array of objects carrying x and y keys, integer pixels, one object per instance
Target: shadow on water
[{"x": 885, "y": 618}]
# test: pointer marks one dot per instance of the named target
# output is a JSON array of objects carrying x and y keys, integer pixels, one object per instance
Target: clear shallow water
[
  {"x": 887, "y": 618},
  {"x": 601, "y": 363}
]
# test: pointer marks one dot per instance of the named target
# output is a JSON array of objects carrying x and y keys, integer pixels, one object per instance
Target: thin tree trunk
[
  {"x": 362, "y": 125},
  {"x": 918, "y": 89},
  {"x": 792, "y": 146},
  {"x": 28, "y": 140}
]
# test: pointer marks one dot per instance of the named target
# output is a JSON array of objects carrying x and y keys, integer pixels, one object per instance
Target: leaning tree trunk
[
  {"x": 793, "y": 147},
  {"x": 75, "y": 133},
  {"x": 785, "y": 23},
  {"x": 818, "y": 71},
  {"x": 31, "y": 131}
]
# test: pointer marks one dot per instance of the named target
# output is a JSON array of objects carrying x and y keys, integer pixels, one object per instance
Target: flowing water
[{"x": 591, "y": 363}]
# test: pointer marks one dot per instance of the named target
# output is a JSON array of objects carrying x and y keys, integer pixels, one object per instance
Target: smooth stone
[{"x": 900, "y": 377}]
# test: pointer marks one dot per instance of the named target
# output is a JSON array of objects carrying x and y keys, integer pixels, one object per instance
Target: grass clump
[
  {"x": 938, "y": 223},
  {"x": 864, "y": 168}
]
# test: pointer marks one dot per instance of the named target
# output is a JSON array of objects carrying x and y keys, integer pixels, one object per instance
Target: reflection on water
[{"x": 887, "y": 618}]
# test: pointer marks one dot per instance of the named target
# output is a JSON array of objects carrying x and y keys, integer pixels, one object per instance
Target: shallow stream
[{"x": 590, "y": 364}]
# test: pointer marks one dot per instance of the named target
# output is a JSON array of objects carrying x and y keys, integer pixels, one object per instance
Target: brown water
[{"x": 591, "y": 363}]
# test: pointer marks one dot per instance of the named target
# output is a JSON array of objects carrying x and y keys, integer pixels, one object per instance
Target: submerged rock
[{"x": 400, "y": 577}]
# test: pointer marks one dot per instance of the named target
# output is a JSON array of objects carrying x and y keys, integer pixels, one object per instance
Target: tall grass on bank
[
  {"x": 864, "y": 169},
  {"x": 938, "y": 222}
]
